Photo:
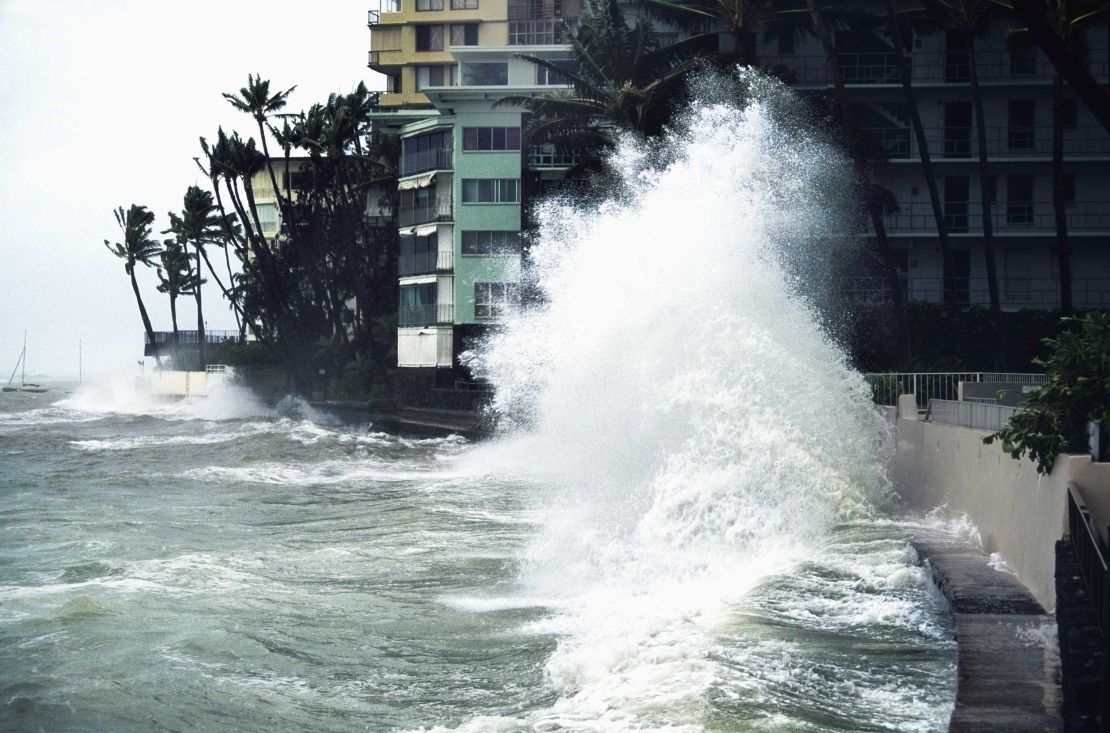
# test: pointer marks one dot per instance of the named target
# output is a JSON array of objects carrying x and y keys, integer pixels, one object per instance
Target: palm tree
[
  {"x": 1072, "y": 68},
  {"x": 1066, "y": 21},
  {"x": 895, "y": 34},
  {"x": 137, "y": 247},
  {"x": 176, "y": 276},
  {"x": 198, "y": 224},
  {"x": 970, "y": 18},
  {"x": 621, "y": 78},
  {"x": 255, "y": 99},
  {"x": 739, "y": 17}
]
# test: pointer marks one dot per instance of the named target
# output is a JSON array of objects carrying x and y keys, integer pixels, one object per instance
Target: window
[
  {"x": 431, "y": 76},
  {"x": 1019, "y": 199},
  {"x": 491, "y": 138},
  {"x": 391, "y": 6},
  {"x": 418, "y": 255},
  {"x": 464, "y": 4},
  {"x": 491, "y": 191},
  {"x": 494, "y": 300},
  {"x": 427, "y": 152},
  {"x": 477, "y": 242},
  {"x": 296, "y": 180},
  {"x": 268, "y": 216},
  {"x": 464, "y": 34},
  {"x": 955, "y": 56},
  {"x": 485, "y": 75},
  {"x": 536, "y": 32},
  {"x": 547, "y": 77},
  {"x": 1020, "y": 130},
  {"x": 956, "y": 197},
  {"x": 429, "y": 5},
  {"x": 957, "y": 129},
  {"x": 393, "y": 83},
  {"x": 429, "y": 38}
]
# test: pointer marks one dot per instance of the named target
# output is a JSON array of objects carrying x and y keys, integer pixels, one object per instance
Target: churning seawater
[
  {"x": 228, "y": 567},
  {"x": 682, "y": 528}
]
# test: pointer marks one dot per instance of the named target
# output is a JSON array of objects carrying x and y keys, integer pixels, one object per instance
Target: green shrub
[{"x": 1078, "y": 391}]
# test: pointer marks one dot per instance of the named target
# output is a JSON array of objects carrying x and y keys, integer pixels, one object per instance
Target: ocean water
[
  {"x": 683, "y": 526},
  {"x": 226, "y": 566}
]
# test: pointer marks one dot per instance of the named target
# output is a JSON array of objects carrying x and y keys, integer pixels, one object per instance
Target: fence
[
  {"x": 1014, "y": 292},
  {"x": 1091, "y": 554},
  {"x": 976, "y": 415},
  {"x": 885, "y": 387}
]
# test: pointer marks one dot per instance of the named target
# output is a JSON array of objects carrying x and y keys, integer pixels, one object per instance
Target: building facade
[
  {"x": 1017, "y": 93},
  {"x": 465, "y": 169}
]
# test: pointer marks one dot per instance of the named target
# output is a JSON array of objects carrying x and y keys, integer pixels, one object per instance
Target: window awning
[
  {"x": 419, "y": 182},
  {"x": 423, "y": 230}
]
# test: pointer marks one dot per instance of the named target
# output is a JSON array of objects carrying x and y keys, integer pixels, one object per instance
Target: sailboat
[{"x": 24, "y": 386}]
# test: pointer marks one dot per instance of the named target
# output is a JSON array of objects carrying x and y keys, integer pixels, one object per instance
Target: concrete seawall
[{"x": 1019, "y": 513}]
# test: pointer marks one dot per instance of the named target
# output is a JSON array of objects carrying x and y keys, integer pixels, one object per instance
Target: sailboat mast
[{"x": 23, "y": 376}]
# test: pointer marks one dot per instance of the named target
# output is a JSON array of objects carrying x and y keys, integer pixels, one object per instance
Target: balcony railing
[
  {"x": 422, "y": 161},
  {"x": 1010, "y": 217},
  {"x": 1002, "y": 142},
  {"x": 191, "y": 337},
  {"x": 373, "y": 17},
  {"x": 433, "y": 314},
  {"x": 1014, "y": 292},
  {"x": 424, "y": 263},
  {"x": 879, "y": 67},
  {"x": 546, "y": 156},
  {"x": 537, "y": 32},
  {"x": 438, "y": 210}
]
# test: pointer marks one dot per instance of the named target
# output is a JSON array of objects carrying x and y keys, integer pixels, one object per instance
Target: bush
[{"x": 1078, "y": 391}]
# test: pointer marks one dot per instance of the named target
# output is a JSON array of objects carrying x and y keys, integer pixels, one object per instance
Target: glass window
[
  {"x": 494, "y": 300},
  {"x": 491, "y": 190},
  {"x": 429, "y": 38},
  {"x": 484, "y": 242},
  {"x": 485, "y": 75},
  {"x": 547, "y": 77},
  {"x": 268, "y": 216},
  {"x": 491, "y": 138},
  {"x": 429, "y": 5},
  {"x": 429, "y": 76},
  {"x": 464, "y": 34},
  {"x": 1020, "y": 130},
  {"x": 464, "y": 4},
  {"x": 1019, "y": 199}
]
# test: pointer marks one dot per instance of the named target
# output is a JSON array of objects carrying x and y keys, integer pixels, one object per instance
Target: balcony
[
  {"x": 1008, "y": 217},
  {"x": 426, "y": 212},
  {"x": 1014, "y": 292},
  {"x": 373, "y": 17},
  {"x": 899, "y": 143},
  {"x": 537, "y": 32},
  {"x": 432, "y": 314},
  {"x": 425, "y": 263},
  {"x": 926, "y": 67},
  {"x": 422, "y": 161},
  {"x": 546, "y": 156}
]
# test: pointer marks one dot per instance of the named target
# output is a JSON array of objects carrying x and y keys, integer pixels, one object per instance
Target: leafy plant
[{"x": 1078, "y": 391}]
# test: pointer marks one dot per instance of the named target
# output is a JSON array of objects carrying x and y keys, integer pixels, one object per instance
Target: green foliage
[
  {"x": 1078, "y": 391},
  {"x": 245, "y": 354}
]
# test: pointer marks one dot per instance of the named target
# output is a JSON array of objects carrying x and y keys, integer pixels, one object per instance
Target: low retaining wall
[{"x": 1019, "y": 513}]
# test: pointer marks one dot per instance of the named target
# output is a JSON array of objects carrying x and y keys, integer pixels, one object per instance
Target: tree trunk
[
  {"x": 146, "y": 318},
  {"x": 1059, "y": 206},
  {"x": 901, "y": 326},
  {"x": 984, "y": 184},
  {"x": 923, "y": 151},
  {"x": 1078, "y": 76},
  {"x": 200, "y": 313}
]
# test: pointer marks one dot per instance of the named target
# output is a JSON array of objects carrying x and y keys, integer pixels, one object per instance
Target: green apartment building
[{"x": 466, "y": 172}]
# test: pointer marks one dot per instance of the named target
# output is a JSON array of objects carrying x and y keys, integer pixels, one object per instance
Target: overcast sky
[{"x": 101, "y": 106}]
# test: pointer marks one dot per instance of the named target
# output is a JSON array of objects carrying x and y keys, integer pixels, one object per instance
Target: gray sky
[{"x": 101, "y": 105}]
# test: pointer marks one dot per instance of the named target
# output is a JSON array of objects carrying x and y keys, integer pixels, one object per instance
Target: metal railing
[
  {"x": 546, "y": 156},
  {"x": 190, "y": 337},
  {"x": 887, "y": 386},
  {"x": 373, "y": 17},
  {"x": 1092, "y": 555},
  {"x": 421, "y": 263},
  {"x": 899, "y": 143},
  {"x": 926, "y": 67},
  {"x": 1014, "y": 292},
  {"x": 975, "y": 415},
  {"x": 422, "y": 161},
  {"x": 438, "y": 210},
  {"x": 430, "y": 314},
  {"x": 1008, "y": 217},
  {"x": 537, "y": 32}
]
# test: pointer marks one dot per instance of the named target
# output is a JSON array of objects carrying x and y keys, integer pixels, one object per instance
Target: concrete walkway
[{"x": 1008, "y": 668}]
